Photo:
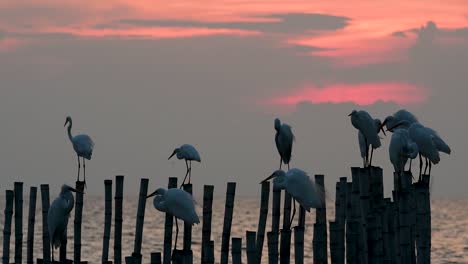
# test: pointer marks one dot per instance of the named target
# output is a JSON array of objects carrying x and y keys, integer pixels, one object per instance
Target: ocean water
[{"x": 449, "y": 229}]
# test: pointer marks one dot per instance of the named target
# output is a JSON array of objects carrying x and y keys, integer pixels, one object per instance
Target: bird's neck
[{"x": 69, "y": 130}]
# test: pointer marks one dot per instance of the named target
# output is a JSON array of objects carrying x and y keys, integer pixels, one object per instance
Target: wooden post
[
  {"x": 396, "y": 225},
  {"x": 251, "y": 247},
  {"x": 207, "y": 215},
  {"x": 298, "y": 244},
  {"x": 188, "y": 254},
  {"x": 210, "y": 253},
  {"x": 168, "y": 227},
  {"x": 333, "y": 226},
  {"x": 404, "y": 225},
  {"x": 341, "y": 219},
  {"x": 265, "y": 196},
  {"x": 18, "y": 190},
  {"x": 285, "y": 243},
  {"x": 319, "y": 242},
  {"x": 77, "y": 221},
  {"x": 228, "y": 211},
  {"x": 356, "y": 215},
  {"x": 423, "y": 220},
  {"x": 387, "y": 232},
  {"x": 364, "y": 204},
  {"x": 236, "y": 250},
  {"x": 155, "y": 258},
  {"x": 9, "y": 197},
  {"x": 45, "y": 231},
  {"x": 140, "y": 220},
  {"x": 352, "y": 234},
  {"x": 272, "y": 238},
  {"x": 107, "y": 220},
  {"x": 119, "y": 185},
  {"x": 31, "y": 221}
]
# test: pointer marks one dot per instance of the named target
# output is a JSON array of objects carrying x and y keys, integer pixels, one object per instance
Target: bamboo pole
[
  {"x": 299, "y": 244},
  {"x": 31, "y": 221},
  {"x": 155, "y": 258},
  {"x": 404, "y": 221},
  {"x": 285, "y": 243},
  {"x": 210, "y": 253},
  {"x": 119, "y": 185},
  {"x": 319, "y": 243},
  {"x": 236, "y": 250},
  {"x": 18, "y": 190},
  {"x": 272, "y": 238},
  {"x": 265, "y": 196},
  {"x": 45, "y": 231},
  {"x": 341, "y": 219},
  {"x": 140, "y": 220},
  {"x": 387, "y": 232},
  {"x": 333, "y": 226},
  {"x": 168, "y": 227},
  {"x": 228, "y": 211},
  {"x": 424, "y": 220},
  {"x": 107, "y": 220},
  {"x": 365, "y": 205},
  {"x": 77, "y": 221},
  {"x": 207, "y": 215},
  {"x": 412, "y": 218},
  {"x": 354, "y": 245},
  {"x": 251, "y": 247},
  {"x": 9, "y": 197},
  {"x": 188, "y": 255},
  {"x": 396, "y": 224}
]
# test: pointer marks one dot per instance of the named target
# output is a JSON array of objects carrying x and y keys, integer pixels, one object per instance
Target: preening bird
[
  {"x": 83, "y": 146},
  {"x": 178, "y": 203},
  {"x": 397, "y": 117},
  {"x": 363, "y": 122},
  {"x": 300, "y": 186},
  {"x": 363, "y": 145},
  {"x": 58, "y": 215},
  {"x": 284, "y": 141},
  {"x": 401, "y": 149},
  {"x": 188, "y": 153}
]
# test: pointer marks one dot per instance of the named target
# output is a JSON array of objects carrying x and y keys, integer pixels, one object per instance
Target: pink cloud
[
  {"x": 361, "y": 94},
  {"x": 9, "y": 44}
]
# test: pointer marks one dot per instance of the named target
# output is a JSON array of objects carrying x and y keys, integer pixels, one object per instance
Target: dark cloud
[
  {"x": 287, "y": 23},
  {"x": 401, "y": 34}
]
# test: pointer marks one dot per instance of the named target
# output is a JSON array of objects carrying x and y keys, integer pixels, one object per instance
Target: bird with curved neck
[
  {"x": 57, "y": 218},
  {"x": 83, "y": 146},
  {"x": 188, "y": 153},
  {"x": 284, "y": 141}
]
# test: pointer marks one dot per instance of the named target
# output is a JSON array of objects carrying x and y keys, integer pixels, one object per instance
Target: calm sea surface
[{"x": 449, "y": 229}]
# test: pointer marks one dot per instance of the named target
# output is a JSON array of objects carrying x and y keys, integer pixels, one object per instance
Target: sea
[{"x": 449, "y": 229}]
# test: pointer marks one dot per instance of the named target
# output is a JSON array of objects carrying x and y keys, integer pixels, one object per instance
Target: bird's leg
[
  {"x": 79, "y": 165},
  {"x": 425, "y": 167},
  {"x": 84, "y": 172},
  {"x": 372, "y": 153},
  {"x": 288, "y": 166},
  {"x": 367, "y": 152},
  {"x": 420, "y": 166},
  {"x": 186, "y": 174},
  {"x": 177, "y": 234},
  {"x": 294, "y": 212},
  {"x": 190, "y": 172},
  {"x": 281, "y": 162},
  {"x": 52, "y": 253},
  {"x": 410, "y": 161},
  {"x": 430, "y": 167}
]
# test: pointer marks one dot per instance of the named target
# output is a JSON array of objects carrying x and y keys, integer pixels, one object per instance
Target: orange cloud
[{"x": 361, "y": 94}]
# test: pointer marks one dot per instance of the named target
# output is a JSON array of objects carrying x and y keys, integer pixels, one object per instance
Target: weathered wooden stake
[
  {"x": 340, "y": 219},
  {"x": 404, "y": 221},
  {"x": 364, "y": 204},
  {"x": 236, "y": 250},
  {"x": 265, "y": 196},
  {"x": 9, "y": 197},
  {"x": 18, "y": 189},
  {"x": 333, "y": 226},
  {"x": 352, "y": 233},
  {"x": 299, "y": 244},
  {"x": 251, "y": 247},
  {"x": 45, "y": 231},
  {"x": 168, "y": 227},
  {"x": 272, "y": 238},
  {"x": 188, "y": 254},
  {"x": 275, "y": 221},
  {"x": 423, "y": 220},
  {"x": 31, "y": 221},
  {"x": 285, "y": 243},
  {"x": 78, "y": 220},
  {"x": 155, "y": 258},
  {"x": 119, "y": 185},
  {"x": 228, "y": 211},
  {"x": 140, "y": 220},
  {"x": 107, "y": 220},
  {"x": 210, "y": 253},
  {"x": 207, "y": 215},
  {"x": 319, "y": 242}
]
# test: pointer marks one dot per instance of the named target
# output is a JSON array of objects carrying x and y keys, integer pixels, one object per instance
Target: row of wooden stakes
[{"x": 368, "y": 228}]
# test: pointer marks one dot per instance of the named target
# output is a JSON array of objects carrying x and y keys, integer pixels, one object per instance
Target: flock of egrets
[{"x": 409, "y": 139}]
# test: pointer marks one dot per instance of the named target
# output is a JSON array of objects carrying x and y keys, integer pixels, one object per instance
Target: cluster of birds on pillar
[{"x": 409, "y": 139}]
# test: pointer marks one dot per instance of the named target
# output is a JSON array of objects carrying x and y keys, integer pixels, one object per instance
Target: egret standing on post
[
  {"x": 401, "y": 149},
  {"x": 188, "y": 153},
  {"x": 363, "y": 145},
  {"x": 83, "y": 146},
  {"x": 178, "y": 203},
  {"x": 363, "y": 122},
  {"x": 58, "y": 215},
  {"x": 300, "y": 186},
  {"x": 284, "y": 140}
]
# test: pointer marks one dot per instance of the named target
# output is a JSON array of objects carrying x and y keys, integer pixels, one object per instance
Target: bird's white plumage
[
  {"x": 401, "y": 149},
  {"x": 57, "y": 218},
  {"x": 363, "y": 122},
  {"x": 399, "y": 116},
  {"x": 179, "y": 203},
  {"x": 424, "y": 138},
  {"x": 284, "y": 138},
  {"x": 83, "y": 146},
  {"x": 439, "y": 142},
  {"x": 188, "y": 152},
  {"x": 362, "y": 139}
]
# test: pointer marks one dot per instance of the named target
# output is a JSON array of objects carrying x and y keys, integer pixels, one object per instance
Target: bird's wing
[
  {"x": 300, "y": 186},
  {"x": 403, "y": 114},
  {"x": 180, "y": 204},
  {"x": 83, "y": 145},
  {"x": 424, "y": 140},
  {"x": 362, "y": 144},
  {"x": 285, "y": 142},
  {"x": 190, "y": 152},
  {"x": 439, "y": 142},
  {"x": 366, "y": 125},
  {"x": 56, "y": 222}
]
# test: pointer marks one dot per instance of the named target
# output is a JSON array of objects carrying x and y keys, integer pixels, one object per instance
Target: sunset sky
[{"x": 142, "y": 77}]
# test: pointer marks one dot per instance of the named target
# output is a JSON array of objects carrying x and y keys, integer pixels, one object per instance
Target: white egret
[
  {"x": 398, "y": 116},
  {"x": 300, "y": 186},
  {"x": 401, "y": 149},
  {"x": 83, "y": 146},
  {"x": 284, "y": 140},
  {"x": 363, "y": 146},
  {"x": 57, "y": 218},
  {"x": 178, "y": 203},
  {"x": 363, "y": 122},
  {"x": 188, "y": 153}
]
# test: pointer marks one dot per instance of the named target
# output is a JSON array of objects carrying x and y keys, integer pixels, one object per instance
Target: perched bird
[
  {"x": 363, "y": 122},
  {"x": 178, "y": 203},
  {"x": 401, "y": 149},
  {"x": 363, "y": 146},
  {"x": 83, "y": 146},
  {"x": 284, "y": 140},
  {"x": 188, "y": 153},
  {"x": 58, "y": 215},
  {"x": 398, "y": 116},
  {"x": 300, "y": 186}
]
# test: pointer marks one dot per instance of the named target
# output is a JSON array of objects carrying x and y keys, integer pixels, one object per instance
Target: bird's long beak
[
  {"x": 395, "y": 126},
  {"x": 268, "y": 178},
  {"x": 66, "y": 122},
  {"x": 383, "y": 131},
  {"x": 173, "y": 153},
  {"x": 350, "y": 114},
  {"x": 382, "y": 125},
  {"x": 75, "y": 190},
  {"x": 151, "y": 195}
]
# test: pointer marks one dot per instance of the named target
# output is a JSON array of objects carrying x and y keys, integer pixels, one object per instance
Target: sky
[{"x": 143, "y": 77}]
